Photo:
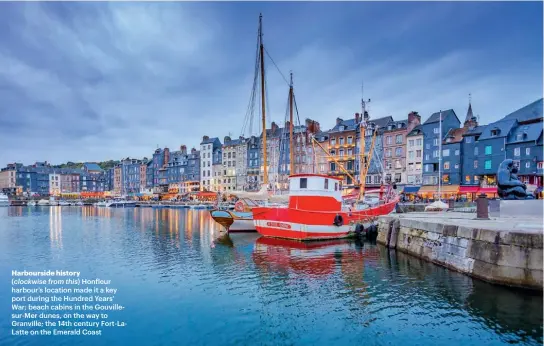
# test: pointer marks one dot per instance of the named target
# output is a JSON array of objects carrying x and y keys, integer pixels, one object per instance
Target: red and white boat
[{"x": 315, "y": 211}]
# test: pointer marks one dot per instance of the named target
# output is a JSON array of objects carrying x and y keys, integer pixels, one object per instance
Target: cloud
[{"x": 97, "y": 81}]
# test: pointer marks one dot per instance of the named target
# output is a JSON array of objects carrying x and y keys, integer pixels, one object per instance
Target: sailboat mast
[
  {"x": 291, "y": 144},
  {"x": 440, "y": 158},
  {"x": 362, "y": 135},
  {"x": 263, "y": 102}
]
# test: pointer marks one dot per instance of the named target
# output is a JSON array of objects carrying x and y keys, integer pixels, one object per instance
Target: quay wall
[{"x": 503, "y": 257}]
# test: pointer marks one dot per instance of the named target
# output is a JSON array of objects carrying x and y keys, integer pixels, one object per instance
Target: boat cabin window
[
  {"x": 326, "y": 184},
  {"x": 303, "y": 183},
  {"x": 335, "y": 186}
]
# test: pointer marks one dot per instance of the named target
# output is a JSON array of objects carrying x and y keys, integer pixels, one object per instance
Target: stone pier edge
[{"x": 499, "y": 257}]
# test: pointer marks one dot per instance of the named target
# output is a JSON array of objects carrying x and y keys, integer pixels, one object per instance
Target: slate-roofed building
[
  {"x": 92, "y": 168},
  {"x": 376, "y": 171},
  {"x": 208, "y": 147},
  {"x": 342, "y": 145},
  {"x": 254, "y": 153},
  {"x": 414, "y": 158}
]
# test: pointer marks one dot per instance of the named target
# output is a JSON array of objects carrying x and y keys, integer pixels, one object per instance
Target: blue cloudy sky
[{"x": 96, "y": 81}]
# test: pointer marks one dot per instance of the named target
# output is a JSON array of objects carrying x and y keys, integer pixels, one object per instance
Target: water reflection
[{"x": 55, "y": 226}]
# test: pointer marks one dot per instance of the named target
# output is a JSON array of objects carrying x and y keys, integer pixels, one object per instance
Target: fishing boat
[
  {"x": 31, "y": 203},
  {"x": 315, "y": 211}
]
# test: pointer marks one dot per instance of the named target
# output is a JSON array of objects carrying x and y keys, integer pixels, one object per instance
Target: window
[
  {"x": 326, "y": 184},
  {"x": 527, "y": 151},
  {"x": 411, "y": 142},
  {"x": 398, "y": 151},
  {"x": 341, "y": 140},
  {"x": 488, "y": 150},
  {"x": 447, "y": 165},
  {"x": 475, "y": 151},
  {"x": 540, "y": 165},
  {"x": 341, "y": 128},
  {"x": 388, "y": 153},
  {"x": 333, "y": 166},
  {"x": 335, "y": 186},
  {"x": 388, "y": 140},
  {"x": 418, "y": 166},
  {"x": 456, "y": 152},
  {"x": 333, "y": 152},
  {"x": 368, "y": 179},
  {"x": 435, "y": 130},
  {"x": 427, "y": 168},
  {"x": 468, "y": 139},
  {"x": 446, "y": 178},
  {"x": 476, "y": 179},
  {"x": 418, "y": 153},
  {"x": 435, "y": 153},
  {"x": 333, "y": 141},
  {"x": 467, "y": 179},
  {"x": 426, "y": 157},
  {"x": 397, "y": 164},
  {"x": 446, "y": 152},
  {"x": 487, "y": 163},
  {"x": 411, "y": 155},
  {"x": 350, "y": 152},
  {"x": 350, "y": 140},
  {"x": 517, "y": 151},
  {"x": 398, "y": 139},
  {"x": 341, "y": 152},
  {"x": 528, "y": 164},
  {"x": 419, "y": 142},
  {"x": 475, "y": 163},
  {"x": 397, "y": 178},
  {"x": 427, "y": 146},
  {"x": 435, "y": 142},
  {"x": 388, "y": 164}
]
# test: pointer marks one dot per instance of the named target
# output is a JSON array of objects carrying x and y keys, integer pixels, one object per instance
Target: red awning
[
  {"x": 207, "y": 194},
  {"x": 468, "y": 189},
  {"x": 488, "y": 189}
]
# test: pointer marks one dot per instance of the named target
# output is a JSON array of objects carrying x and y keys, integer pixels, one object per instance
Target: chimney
[
  {"x": 357, "y": 118},
  {"x": 183, "y": 149},
  {"x": 414, "y": 119},
  {"x": 205, "y": 138},
  {"x": 338, "y": 121}
]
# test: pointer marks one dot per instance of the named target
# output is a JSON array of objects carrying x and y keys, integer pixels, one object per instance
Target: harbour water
[{"x": 184, "y": 282}]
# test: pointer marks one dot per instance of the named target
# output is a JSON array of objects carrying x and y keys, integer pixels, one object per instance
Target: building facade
[
  {"x": 54, "y": 184},
  {"x": 376, "y": 171},
  {"x": 414, "y": 157},
  {"x": 8, "y": 178},
  {"x": 207, "y": 148}
]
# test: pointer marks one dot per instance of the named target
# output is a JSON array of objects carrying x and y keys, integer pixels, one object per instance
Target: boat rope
[
  {"x": 250, "y": 112},
  {"x": 274, "y": 63}
]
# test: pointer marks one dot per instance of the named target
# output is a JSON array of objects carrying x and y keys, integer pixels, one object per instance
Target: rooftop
[
  {"x": 435, "y": 117},
  {"x": 530, "y": 112}
]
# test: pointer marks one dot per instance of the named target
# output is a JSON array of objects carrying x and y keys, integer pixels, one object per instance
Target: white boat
[
  {"x": 101, "y": 204},
  {"x": 121, "y": 204},
  {"x": 43, "y": 202},
  {"x": 63, "y": 203},
  {"x": 79, "y": 203},
  {"x": 4, "y": 200},
  {"x": 53, "y": 202},
  {"x": 32, "y": 203}
]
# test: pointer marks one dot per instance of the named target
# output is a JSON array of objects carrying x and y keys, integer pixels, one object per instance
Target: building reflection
[{"x": 55, "y": 226}]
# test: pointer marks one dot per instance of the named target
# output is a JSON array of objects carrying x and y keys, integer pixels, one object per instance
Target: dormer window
[
  {"x": 341, "y": 128},
  {"x": 495, "y": 132},
  {"x": 519, "y": 137}
]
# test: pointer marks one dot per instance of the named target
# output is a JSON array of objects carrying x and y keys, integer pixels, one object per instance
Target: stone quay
[{"x": 501, "y": 250}]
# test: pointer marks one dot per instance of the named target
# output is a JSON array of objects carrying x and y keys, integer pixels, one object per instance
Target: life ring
[
  {"x": 338, "y": 220},
  {"x": 239, "y": 206}
]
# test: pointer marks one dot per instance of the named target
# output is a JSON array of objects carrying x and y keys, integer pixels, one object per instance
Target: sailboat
[
  {"x": 241, "y": 218},
  {"x": 316, "y": 210}
]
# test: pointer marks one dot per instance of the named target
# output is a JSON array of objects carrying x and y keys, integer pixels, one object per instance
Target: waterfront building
[
  {"x": 54, "y": 184},
  {"x": 414, "y": 158},
  {"x": 8, "y": 178},
  {"x": 176, "y": 169},
  {"x": 320, "y": 154},
  {"x": 130, "y": 176},
  {"x": 524, "y": 143},
  {"x": 92, "y": 168},
  {"x": 234, "y": 160},
  {"x": 109, "y": 179},
  {"x": 207, "y": 148},
  {"x": 93, "y": 182},
  {"x": 117, "y": 180},
  {"x": 342, "y": 144},
  {"x": 143, "y": 176},
  {"x": 273, "y": 139},
  {"x": 431, "y": 144},
  {"x": 69, "y": 181},
  {"x": 375, "y": 175},
  {"x": 394, "y": 148},
  {"x": 253, "y": 171},
  {"x": 42, "y": 170},
  {"x": 27, "y": 182},
  {"x": 149, "y": 175},
  {"x": 217, "y": 170}
]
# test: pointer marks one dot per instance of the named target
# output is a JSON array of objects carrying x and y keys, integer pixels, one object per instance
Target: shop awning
[
  {"x": 468, "y": 189},
  {"x": 488, "y": 190},
  {"x": 207, "y": 194},
  {"x": 443, "y": 189},
  {"x": 411, "y": 189}
]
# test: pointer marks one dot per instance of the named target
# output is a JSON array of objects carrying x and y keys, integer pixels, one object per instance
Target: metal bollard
[{"x": 482, "y": 207}]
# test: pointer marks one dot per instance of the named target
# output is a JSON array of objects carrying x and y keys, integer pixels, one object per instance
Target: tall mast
[
  {"x": 362, "y": 133},
  {"x": 440, "y": 157},
  {"x": 263, "y": 103},
  {"x": 291, "y": 144}
]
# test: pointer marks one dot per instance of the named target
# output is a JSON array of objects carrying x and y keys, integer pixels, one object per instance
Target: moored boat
[
  {"x": 31, "y": 203},
  {"x": 315, "y": 211},
  {"x": 4, "y": 200}
]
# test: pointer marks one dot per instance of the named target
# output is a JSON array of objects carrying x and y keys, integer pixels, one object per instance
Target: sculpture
[{"x": 509, "y": 186}]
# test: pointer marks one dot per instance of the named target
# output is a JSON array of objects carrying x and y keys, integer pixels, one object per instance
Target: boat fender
[
  {"x": 338, "y": 220},
  {"x": 359, "y": 229}
]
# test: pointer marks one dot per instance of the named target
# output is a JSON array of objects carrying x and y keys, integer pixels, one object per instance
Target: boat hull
[
  {"x": 291, "y": 223},
  {"x": 234, "y": 221}
]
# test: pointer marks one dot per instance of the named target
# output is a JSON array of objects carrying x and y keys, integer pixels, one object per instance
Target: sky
[{"x": 96, "y": 81}]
